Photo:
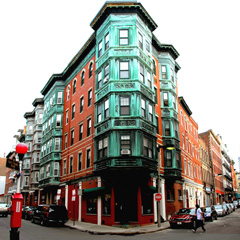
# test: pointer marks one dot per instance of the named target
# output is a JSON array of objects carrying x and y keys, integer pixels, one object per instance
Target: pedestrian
[{"x": 200, "y": 217}]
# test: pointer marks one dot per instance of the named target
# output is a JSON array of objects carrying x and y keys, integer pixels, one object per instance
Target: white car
[{"x": 4, "y": 209}]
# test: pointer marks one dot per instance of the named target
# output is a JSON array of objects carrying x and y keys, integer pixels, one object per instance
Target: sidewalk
[{"x": 103, "y": 229}]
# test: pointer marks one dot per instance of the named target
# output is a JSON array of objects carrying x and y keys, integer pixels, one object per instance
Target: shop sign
[{"x": 208, "y": 189}]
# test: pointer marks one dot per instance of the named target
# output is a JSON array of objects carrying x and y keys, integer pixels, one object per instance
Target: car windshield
[
  {"x": 218, "y": 207},
  {"x": 186, "y": 211},
  {"x": 208, "y": 209}
]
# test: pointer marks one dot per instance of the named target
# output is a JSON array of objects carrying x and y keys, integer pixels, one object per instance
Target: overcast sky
[{"x": 39, "y": 38}]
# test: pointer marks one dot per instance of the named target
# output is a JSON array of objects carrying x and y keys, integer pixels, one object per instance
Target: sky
[{"x": 40, "y": 38}]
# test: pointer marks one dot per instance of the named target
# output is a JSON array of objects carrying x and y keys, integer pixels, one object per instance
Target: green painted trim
[{"x": 96, "y": 189}]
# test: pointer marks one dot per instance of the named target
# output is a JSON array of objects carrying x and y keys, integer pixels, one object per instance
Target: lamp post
[
  {"x": 169, "y": 147},
  {"x": 17, "y": 198}
]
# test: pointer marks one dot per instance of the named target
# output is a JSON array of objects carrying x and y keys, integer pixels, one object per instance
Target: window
[
  {"x": 100, "y": 49},
  {"x": 88, "y": 160},
  {"x": 178, "y": 160},
  {"x": 157, "y": 125},
  {"x": 100, "y": 80},
  {"x": 106, "y": 74},
  {"x": 155, "y": 95},
  {"x": 148, "y": 47},
  {"x": 73, "y": 111},
  {"x": 26, "y": 182},
  {"x": 164, "y": 72},
  {"x": 182, "y": 119},
  {"x": 123, "y": 37},
  {"x": 57, "y": 144},
  {"x": 165, "y": 99},
  {"x": 90, "y": 69},
  {"x": 125, "y": 144},
  {"x": 149, "y": 83},
  {"x": 64, "y": 167},
  {"x": 79, "y": 161},
  {"x": 89, "y": 122},
  {"x": 124, "y": 106},
  {"x": 189, "y": 170},
  {"x": 91, "y": 205},
  {"x": 42, "y": 173},
  {"x": 106, "y": 41},
  {"x": 154, "y": 67},
  {"x": 68, "y": 92},
  {"x": 174, "y": 102},
  {"x": 36, "y": 176},
  {"x": 66, "y": 140},
  {"x": 59, "y": 98},
  {"x": 183, "y": 142},
  {"x": 185, "y": 166},
  {"x": 106, "y": 203},
  {"x": 147, "y": 147},
  {"x": 140, "y": 40},
  {"x": 67, "y": 117},
  {"x": 82, "y": 78},
  {"x": 124, "y": 69},
  {"x": 106, "y": 109},
  {"x": 172, "y": 74},
  {"x": 102, "y": 147},
  {"x": 74, "y": 86},
  {"x": 56, "y": 168},
  {"x": 167, "y": 128},
  {"x": 89, "y": 97},
  {"x": 176, "y": 129},
  {"x": 169, "y": 159},
  {"x": 141, "y": 73},
  {"x": 170, "y": 195},
  {"x": 71, "y": 165},
  {"x": 147, "y": 201},
  {"x": 143, "y": 108},
  {"x": 150, "y": 110},
  {"x": 58, "y": 120},
  {"x": 81, "y": 104},
  {"x": 48, "y": 170},
  {"x": 72, "y": 137},
  {"x": 99, "y": 113},
  {"x": 80, "y": 131}
]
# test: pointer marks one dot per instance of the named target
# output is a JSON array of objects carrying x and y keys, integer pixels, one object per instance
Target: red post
[{"x": 16, "y": 215}]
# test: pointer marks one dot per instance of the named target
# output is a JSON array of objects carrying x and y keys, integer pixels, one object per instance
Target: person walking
[{"x": 200, "y": 218}]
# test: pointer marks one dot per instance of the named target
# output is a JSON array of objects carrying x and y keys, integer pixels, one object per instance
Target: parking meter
[{"x": 16, "y": 210}]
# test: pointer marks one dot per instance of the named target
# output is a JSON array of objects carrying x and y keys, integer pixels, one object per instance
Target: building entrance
[{"x": 126, "y": 204}]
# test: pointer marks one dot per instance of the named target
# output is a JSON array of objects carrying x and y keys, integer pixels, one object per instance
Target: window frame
[
  {"x": 123, "y": 71},
  {"x": 123, "y": 106},
  {"x": 122, "y": 39}
]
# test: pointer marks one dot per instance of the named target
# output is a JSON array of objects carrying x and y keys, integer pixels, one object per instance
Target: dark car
[
  {"x": 184, "y": 217},
  {"x": 221, "y": 211},
  {"x": 27, "y": 212},
  {"x": 45, "y": 214},
  {"x": 209, "y": 213}
]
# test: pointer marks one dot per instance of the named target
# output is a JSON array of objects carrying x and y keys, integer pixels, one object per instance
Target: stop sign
[{"x": 158, "y": 196}]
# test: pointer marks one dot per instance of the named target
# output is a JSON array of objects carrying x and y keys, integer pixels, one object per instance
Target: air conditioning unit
[
  {"x": 180, "y": 198},
  {"x": 125, "y": 152}
]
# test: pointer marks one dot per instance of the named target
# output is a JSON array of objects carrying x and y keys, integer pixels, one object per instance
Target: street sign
[
  {"x": 12, "y": 163},
  {"x": 158, "y": 196},
  {"x": 73, "y": 198}
]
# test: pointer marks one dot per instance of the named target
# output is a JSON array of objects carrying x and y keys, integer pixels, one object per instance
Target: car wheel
[
  {"x": 32, "y": 220},
  {"x": 25, "y": 217},
  {"x": 172, "y": 225},
  {"x": 194, "y": 224},
  {"x": 216, "y": 217},
  {"x": 211, "y": 218}
]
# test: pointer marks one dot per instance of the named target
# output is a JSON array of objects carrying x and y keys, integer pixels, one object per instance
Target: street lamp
[
  {"x": 168, "y": 147},
  {"x": 17, "y": 198}
]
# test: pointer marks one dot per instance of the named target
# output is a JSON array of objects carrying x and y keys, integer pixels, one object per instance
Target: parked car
[
  {"x": 233, "y": 206},
  {"x": 236, "y": 203},
  {"x": 184, "y": 217},
  {"x": 221, "y": 211},
  {"x": 209, "y": 213},
  {"x": 4, "y": 209},
  {"x": 227, "y": 211},
  {"x": 230, "y": 207},
  {"x": 45, "y": 214},
  {"x": 27, "y": 212}
]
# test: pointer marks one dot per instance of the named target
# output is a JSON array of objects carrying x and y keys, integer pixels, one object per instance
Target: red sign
[{"x": 158, "y": 196}]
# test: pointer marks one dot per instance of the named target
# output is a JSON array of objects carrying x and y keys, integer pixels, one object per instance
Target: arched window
[
  {"x": 74, "y": 86},
  {"x": 90, "y": 69},
  {"x": 82, "y": 78}
]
